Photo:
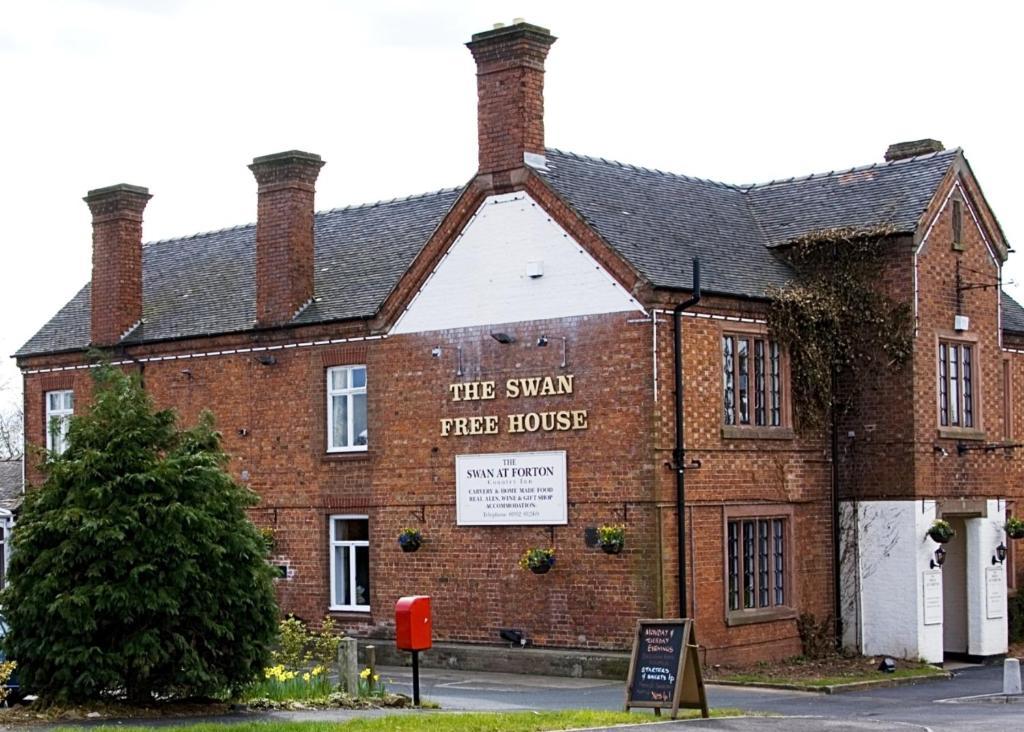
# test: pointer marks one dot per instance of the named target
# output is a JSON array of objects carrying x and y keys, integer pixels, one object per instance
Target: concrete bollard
[
  {"x": 1011, "y": 676},
  {"x": 348, "y": 665}
]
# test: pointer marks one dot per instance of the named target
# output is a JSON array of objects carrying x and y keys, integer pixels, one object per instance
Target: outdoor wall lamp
[
  {"x": 266, "y": 359},
  {"x": 940, "y": 558},
  {"x": 542, "y": 341},
  {"x": 503, "y": 338},
  {"x": 1000, "y": 555}
]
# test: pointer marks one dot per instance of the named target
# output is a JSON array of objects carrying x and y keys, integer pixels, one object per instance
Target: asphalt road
[{"x": 935, "y": 705}]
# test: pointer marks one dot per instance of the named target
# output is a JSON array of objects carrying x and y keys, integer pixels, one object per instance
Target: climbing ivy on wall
[{"x": 835, "y": 323}]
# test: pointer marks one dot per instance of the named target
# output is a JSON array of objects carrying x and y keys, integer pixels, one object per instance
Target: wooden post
[{"x": 348, "y": 665}]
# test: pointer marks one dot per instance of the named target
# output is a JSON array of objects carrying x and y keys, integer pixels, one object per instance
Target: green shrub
[
  {"x": 135, "y": 571},
  {"x": 1016, "y": 620}
]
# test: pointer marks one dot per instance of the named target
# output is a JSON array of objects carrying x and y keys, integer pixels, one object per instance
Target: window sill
[
  {"x": 765, "y": 615},
  {"x": 353, "y": 611},
  {"x": 732, "y": 432},
  {"x": 345, "y": 456},
  {"x": 961, "y": 433}
]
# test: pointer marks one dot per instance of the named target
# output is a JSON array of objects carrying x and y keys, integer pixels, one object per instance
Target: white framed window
[
  {"x": 350, "y": 563},
  {"x": 60, "y": 405},
  {"x": 346, "y": 408}
]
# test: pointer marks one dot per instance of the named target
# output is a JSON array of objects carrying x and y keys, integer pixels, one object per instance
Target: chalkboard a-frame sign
[{"x": 664, "y": 670}]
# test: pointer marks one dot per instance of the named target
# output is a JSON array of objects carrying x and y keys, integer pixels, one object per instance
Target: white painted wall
[
  {"x": 884, "y": 602},
  {"x": 886, "y": 552},
  {"x": 483, "y": 278},
  {"x": 986, "y": 636}
]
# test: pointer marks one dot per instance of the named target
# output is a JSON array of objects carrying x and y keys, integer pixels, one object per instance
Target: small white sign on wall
[
  {"x": 511, "y": 489},
  {"x": 931, "y": 584},
  {"x": 995, "y": 592}
]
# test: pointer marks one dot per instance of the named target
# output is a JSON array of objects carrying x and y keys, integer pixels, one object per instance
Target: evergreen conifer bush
[{"x": 135, "y": 572}]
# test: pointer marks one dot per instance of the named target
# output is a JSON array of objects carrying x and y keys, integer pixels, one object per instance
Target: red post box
[{"x": 413, "y": 624}]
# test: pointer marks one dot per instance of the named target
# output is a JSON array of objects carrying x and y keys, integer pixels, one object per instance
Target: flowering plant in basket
[
  {"x": 410, "y": 539},
  {"x": 941, "y": 531},
  {"x": 537, "y": 560}
]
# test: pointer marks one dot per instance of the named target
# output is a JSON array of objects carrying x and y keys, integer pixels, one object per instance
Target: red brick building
[{"x": 495, "y": 367}]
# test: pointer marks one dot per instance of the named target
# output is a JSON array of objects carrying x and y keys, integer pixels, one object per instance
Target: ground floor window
[
  {"x": 757, "y": 563},
  {"x": 350, "y": 563}
]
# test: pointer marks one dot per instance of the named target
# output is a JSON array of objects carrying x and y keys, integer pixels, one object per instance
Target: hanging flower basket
[
  {"x": 611, "y": 538},
  {"x": 1014, "y": 527},
  {"x": 941, "y": 531},
  {"x": 537, "y": 560},
  {"x": 410, "y": 540}
]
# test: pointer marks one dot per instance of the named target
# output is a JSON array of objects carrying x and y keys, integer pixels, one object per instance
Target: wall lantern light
[
  {"x": 940, "y": 558},
  {"x": 542, "y": 341},
  {"x": 503, "y": 338},
  {"x": 1000, "y": 556}
]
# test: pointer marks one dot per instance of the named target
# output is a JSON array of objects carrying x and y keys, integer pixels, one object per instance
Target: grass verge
[
  {"x": 438, "y": 722},
  {"x": 822, "y": 681}
]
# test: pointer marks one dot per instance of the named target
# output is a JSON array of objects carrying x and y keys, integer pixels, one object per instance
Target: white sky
[{"x": 180, "y": 95}]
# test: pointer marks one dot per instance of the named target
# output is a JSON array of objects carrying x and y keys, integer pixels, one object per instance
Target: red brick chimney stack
[
  {"x": 284, "y": 234},
  {"x": 116, "y": 290},
  {"x": 510, "y": 94}
]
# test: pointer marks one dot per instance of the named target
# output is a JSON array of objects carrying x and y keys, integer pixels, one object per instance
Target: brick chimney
[
  {"x": 911, "y": 149},
  {"x": 284, "y": 234},
  {"x": 510, "y": 94},
  {"x": 116, "y": 290}
]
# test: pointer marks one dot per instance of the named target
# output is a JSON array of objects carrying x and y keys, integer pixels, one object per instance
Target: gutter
[{"x": 679, "y": 452}]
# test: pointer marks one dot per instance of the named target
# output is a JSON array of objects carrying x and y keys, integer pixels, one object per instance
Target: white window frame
[
  {"x": 349, "y": 392},
  {"x": 63, "y": 414},
  {"x": 352, "y": 544}
]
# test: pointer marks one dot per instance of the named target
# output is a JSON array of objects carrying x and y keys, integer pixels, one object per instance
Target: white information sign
[
  {"x": 995, "y": 592},
  {"x": 509, "y": 489},
  {"x": 931, "y": 580}
]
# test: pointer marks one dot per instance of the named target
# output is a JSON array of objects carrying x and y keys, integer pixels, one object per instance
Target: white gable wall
[{"x": 484, "y": 278}]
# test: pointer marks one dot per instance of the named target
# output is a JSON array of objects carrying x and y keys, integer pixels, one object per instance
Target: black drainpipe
[{"x": 679, "y": 453}]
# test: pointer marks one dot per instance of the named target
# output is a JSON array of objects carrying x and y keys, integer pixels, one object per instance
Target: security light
[
  {"x": 503, "y": 338},
  {"x": 542, "y": 341}
]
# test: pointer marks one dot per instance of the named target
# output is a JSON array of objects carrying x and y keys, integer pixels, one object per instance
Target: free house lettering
[{"x": 532, "y": 386}]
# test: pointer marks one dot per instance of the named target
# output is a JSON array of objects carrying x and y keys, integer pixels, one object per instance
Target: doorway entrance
[{"x": 954, "y": 591}]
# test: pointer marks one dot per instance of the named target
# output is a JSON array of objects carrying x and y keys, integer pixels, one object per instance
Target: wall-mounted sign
[
  {"x": 561, "y": 420},
  {"x": 511, "y": 489},
  {"x": 931, "y": 581},
  {"x": 995, "y": 592}
]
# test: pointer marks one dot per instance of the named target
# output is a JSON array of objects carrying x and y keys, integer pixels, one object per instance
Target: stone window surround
[
  {"x": 788, "y": 609},
  {"x": 737, "y": 431}
]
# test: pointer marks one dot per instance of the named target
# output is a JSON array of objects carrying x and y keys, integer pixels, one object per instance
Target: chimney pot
[
  {"x": 116, "y": 288},
  {"x": 510, "y": 94},
  {"x": 912, "y": 148},
  {"x": 284, "y": 233}
]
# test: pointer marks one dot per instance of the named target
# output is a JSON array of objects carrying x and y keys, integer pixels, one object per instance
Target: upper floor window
[
  {"x": 346, "y": 408},
  {"x": 956, "y": 384},
  {"x": 60, "y": 405},
  {"x": 752, "y": 380}
]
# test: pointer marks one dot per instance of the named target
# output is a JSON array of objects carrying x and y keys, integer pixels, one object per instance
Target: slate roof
[
  {"x": 204, "y": 284},
  {"x": 1013, "y": 314},
  {"x": 10, "y": 484}
]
